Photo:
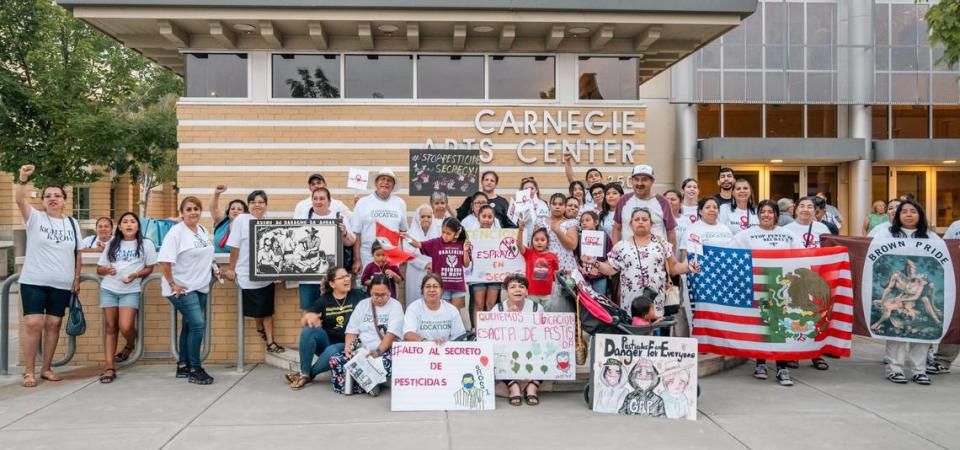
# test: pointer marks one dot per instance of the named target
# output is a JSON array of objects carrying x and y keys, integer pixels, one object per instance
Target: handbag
[
  {"x": 76, "y": 323},
  {"x": 671, "y": 295}
]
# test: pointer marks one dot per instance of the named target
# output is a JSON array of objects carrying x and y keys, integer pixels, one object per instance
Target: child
[
  {"x": 642, "y": 308},
  {"x": 590, "y": 221},
  {"x": 483, "y": 296},
  {"x": 449, "y": 253},
  {"x": 378, "y": 266},
  {"x": 541, "y": 264}
]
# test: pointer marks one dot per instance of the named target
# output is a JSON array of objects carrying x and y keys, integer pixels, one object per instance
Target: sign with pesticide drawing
[
  {"x": 530, "y": 346},
  {"x": 455, "y": 376},
  {"x": 495, "y": 255}
]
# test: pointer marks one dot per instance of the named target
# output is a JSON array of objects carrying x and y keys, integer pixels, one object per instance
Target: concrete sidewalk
[{"x": 851, "y": 406}]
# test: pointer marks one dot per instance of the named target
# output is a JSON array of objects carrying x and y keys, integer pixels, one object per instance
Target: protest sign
[
  {"x": 523, "y": 201},
  {"x": 366, "y": 372},
  {"x": 645, "y": 376},
  {"x": 530, "y": 346},
  {"x": 592, "y": 243},
  {"x": 455, "y": 376},
  {"x": 494, "y": 256},
  {"x": 358, "y": 179},
  {"x": 453, "y": 172}
]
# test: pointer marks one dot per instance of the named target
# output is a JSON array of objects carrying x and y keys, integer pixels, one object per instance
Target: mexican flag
[{"x": 390, "y": 241}]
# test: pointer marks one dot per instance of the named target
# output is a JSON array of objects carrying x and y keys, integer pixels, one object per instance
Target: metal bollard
[{"x": 240, "y": 329}]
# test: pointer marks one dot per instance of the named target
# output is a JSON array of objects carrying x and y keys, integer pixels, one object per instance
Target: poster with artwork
[
  {"x": 294, "y": 249},
  {"x": 455, "y": 376},
  {"x": 366, "y": 372},
  {"x": 592, "y": 243},
  {"x": 453, "y": 172},
  {"x": 530, "y": 346},
  {"x": 494, "y": 256},
  {"x": 908, "y": 290},
  {"x": 645, "y": 376},
  {"x": 358, "y": 179}
]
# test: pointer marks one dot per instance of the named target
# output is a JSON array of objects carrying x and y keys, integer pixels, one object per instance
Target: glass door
[{"x": 784, "y": 183}]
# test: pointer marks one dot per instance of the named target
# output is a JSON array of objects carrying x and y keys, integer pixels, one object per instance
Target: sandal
[
  {"x": 108, "y": 376},
  {"x": 263, "y": 334},
  {"x": 51, "y": 376},
  {"x": 273, "y": 347},
  {"x": 515, "y": 400},
  {"x": 532, "y": 399},
  {"x": 124, "y": 354},
  {"x": 29, "y": 380},
  {"x": 300, "y": 382},
  {"x": 820, "y": 364},
  {"x": 291, "y": 377}
]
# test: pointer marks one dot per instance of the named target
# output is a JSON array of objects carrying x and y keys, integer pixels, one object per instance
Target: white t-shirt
[
  {"x": 885, "y": 233},
  {"x": 528, "y": 306},
  {"x": 716, "y": 235},
  {"x": 811, "y": 241},
  {"x": 877, "y": 229},
  {"x": 191, "y": 255},
  {"x": 91, "y": 242},
  {"x": 240, "y": 240},
  {"x": 757, "y": 238},
  {"x": 737, "y": 220},
  {"x": 657, "y": 214},
  {"x": 444, "y": 323},
  {"x": 49, "y": 259},
  {"x": 472, "y": 223},
  {"x": 952, "y": 233},
  {"x": 389, "y": 319},
  {"x": 689, "y": 212},
  {"x": 307, "y": 204},
  {"x": 127, "y": 262},
  {"x": 332, "y": 215},
  {"x": 391, "y": 213}
]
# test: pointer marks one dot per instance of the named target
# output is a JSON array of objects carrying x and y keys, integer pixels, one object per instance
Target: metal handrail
[
  {"x": 71, "y": 340},
  {"x": 240, "y": 329},
  {"x": 208, "y": 316},
  {"x": 139, "y": 346}
]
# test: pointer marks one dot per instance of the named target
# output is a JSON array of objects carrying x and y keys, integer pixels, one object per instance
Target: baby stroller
[{"x": 597, "y": 314}]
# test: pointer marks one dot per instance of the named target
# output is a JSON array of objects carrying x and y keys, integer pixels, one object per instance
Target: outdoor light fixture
[
  {"x": 776, "y": 161},
  {"x": 483, "y": 28},
  {"x": 244, "y": 28},
  {"x": 387, "y": 28},
  {"x": 950, "y": 161},
  {"x": 578, "y": 30}
]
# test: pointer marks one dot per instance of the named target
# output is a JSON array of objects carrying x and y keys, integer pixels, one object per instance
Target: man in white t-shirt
[
  {"x": 315, "y": 182},
  {"x": 664, "y": 224},
  {"x": 379, "y": 207}
]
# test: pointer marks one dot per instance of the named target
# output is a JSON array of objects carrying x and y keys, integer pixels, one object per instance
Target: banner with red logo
[{"x": 495, "y": 255}]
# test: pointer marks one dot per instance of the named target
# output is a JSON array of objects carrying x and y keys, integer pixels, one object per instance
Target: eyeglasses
[
  {"x": 479, "y": 203},
  {"x": 257, "y": 202},
  {"x": 431, "y": 286},
  {"x": 341, "y": 277},
  {"x": 53, "y": 196},
  {"x": 384, "y": 295}
]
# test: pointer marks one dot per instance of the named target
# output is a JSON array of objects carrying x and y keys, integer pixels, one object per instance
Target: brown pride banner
[{"x": 895, "y": 313}]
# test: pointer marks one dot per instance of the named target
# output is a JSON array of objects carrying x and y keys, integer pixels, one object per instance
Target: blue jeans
[
  {"x": 600, "y": 285},
  {"x": 315, "y": 342},
  {"x": 193, "y": 307},
  {"x": 309, "y": 293}
]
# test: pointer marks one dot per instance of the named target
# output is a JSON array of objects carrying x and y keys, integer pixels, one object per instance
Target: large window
[
  {"x": 821, "y": 121},
  {"x": 823, "y": 179},
  {"x": 379, "y": 76},
  {"x": 708, "y": 120},
  {"x": 913, "y": 183},
  {"x": 306, "y": 76},
  {"x": 606, "y": 78},
  {"x": 948, "y": 198},
  {"x": 784, "y": 121},
  {"x": 216, "y": 75},
  {"x": 81, "y": 203},
  {"x": 523, "y": 77},
  {"x": 881, "y": 116},
  {"x": 910, "y": 122},
  {"x": 880, "y": 183},
  {"x": 743, "y": 120},
  {"x": 946, "y": 122},
  {"x": 449, "y": 77}
]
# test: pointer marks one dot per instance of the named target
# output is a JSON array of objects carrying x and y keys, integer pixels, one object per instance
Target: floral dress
[
  {"x": 565, "y": 256},
  {"x": 640, "y": 266}
]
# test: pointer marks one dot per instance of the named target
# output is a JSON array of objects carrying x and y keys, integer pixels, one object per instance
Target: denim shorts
[
  {"x": 110, "y": 299},
  {"x": 450, "y": 295},
  {"x": 47, "y": 300}
]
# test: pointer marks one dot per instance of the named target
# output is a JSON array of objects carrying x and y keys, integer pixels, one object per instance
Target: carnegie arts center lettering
[{"x": 538, "y": 129}]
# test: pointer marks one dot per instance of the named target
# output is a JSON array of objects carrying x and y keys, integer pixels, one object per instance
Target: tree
[
  {"x": 943, "y": 21},
  {"x": 73, "y": 101}
]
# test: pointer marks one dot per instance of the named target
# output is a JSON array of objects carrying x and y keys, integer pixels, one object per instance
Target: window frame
[{"x": 246, "y": 99}]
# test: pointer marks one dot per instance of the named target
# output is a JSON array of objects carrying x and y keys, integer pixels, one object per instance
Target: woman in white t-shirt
[
  {"x": 953, "y": 232},
  {"x": 50, "y": 273},
  {"x": 690, "y": 206},
  {"x": 374, "y": 324},
  {"x": 516, "y": 286},
  {"x": 422, "y": 227},
  {"x": 310, "y": 290},
  {"x": 430, "y": 318},
  {"x": 186, "y": 260},
  {"x": 128, "y": 258},
  {"x": 257, "y": 296},
  {"x": 707, "y": 230},
  {"x": 909, "y": 222},
  {"x": 805, "y": 225},
  {"x": 538, "y": 208},
  {"x": 768, "y": 236},
  {"x": 97, "y": 242},
  {"x": 739, "y": 215}
]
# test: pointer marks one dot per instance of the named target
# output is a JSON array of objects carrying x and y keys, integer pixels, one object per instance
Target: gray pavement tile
[
  {"x": 120, "y": 438},
  {"x": 420, "y": 435},
  {"x": 17, "y": 401},
  {"x": 938, "y": 427}
]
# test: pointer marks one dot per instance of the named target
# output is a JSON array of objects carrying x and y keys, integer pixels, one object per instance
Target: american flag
[{"x": 745, "y": 305}]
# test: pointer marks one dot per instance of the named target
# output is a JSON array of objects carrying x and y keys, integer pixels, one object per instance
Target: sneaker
[
  {"x": 200, "y": 376},
  {"x": 937, "y": 369},
  {"x": 183, "y": 371},
  {"x": 897, "y": 378},
  {"x": 922, "y": 379},
  {"x": 375, "y": 392},
  {"x": 793, "y": 364},
  {"x": 783, "y": 377},
  {"x": 760, "y": 372}
]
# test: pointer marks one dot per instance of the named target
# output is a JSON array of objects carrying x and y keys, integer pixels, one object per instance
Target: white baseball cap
[
  {"x": 386, "y": 172},
  {"x": 642, "y": 169}
]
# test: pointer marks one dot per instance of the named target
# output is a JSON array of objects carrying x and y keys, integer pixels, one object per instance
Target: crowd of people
[{"x": 647, "y": 236}]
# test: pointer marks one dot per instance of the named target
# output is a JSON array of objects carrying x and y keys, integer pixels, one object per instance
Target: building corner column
[
  {"x": 859, "y": 84},
  {"x": 681, "y": 78}
]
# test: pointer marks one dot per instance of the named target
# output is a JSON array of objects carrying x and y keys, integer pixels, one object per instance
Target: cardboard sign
[
  {"x": 645, "y": 376},
  {"x": 523, "y": 202},
  {"x": 453, "y": 172},
  {"x": 366, "y": 372},
  {"x": 908, "y": 290},
  {"x": 455, "y": 376},
  {"x": 494, "y": 256},
  {"x": 358, "y": 179},
  {"x": 530, "y": 346},
  {"x": 593, "y": 243}
]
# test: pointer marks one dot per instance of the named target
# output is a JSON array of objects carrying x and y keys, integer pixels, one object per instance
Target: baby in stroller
[{"x": 642, "y": 309}]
